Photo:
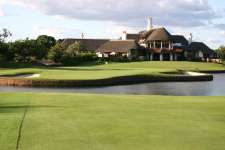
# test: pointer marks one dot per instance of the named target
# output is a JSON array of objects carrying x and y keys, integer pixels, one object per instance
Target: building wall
[{"x": 199, "y": 54}]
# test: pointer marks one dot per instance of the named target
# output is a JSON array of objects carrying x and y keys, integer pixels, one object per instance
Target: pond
[{"x": 214, "y": 88}]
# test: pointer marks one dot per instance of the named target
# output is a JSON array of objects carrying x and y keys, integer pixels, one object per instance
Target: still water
[{"x": 214, "y": 88}]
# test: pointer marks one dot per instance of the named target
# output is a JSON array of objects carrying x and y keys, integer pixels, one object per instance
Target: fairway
[
  {"x": 84, "y": 121},
  {"x": 111, "y": 70}
]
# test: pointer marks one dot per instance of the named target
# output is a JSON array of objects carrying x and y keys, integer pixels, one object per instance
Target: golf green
[{"x": 110, "y": 70}]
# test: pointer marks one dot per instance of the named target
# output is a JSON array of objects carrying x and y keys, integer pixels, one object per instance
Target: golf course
[{"x": 56, "y": 121}]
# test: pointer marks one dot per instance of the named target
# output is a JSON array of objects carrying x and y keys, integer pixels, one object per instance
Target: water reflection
[{"x": 214, "y": 88}]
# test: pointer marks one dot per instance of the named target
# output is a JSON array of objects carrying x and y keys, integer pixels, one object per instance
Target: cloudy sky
[{"x": 205, "y": 19}]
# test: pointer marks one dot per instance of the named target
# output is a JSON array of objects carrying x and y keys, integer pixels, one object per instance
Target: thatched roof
[
  {"x": 118, "y": 46},
  {"x": 197, "y": 46},
  {"x": 160, "y": 34},
  {"x": 88, "y": 44},
  {"x": 135, "y": 37},
  {"x": 145, "y": 34},
  {"x": 179, "y": 39}
]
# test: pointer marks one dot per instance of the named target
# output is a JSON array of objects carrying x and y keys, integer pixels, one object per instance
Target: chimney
[
  {"x": 191, "y": 38},
  {"x": 124, "y": 36},
  {"x": 150, "y": 24},
  {"x": 82, "y": 35}
]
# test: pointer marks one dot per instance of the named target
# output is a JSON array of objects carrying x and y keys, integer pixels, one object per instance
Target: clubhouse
[{"x": 150, "y": 44}]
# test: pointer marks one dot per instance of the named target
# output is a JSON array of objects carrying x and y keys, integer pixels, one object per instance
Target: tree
[
  {"x": 4, "y": 49},
  {"x": 221, "y": 52},
  {"x": 44, "y": 43},
  {"x": 56, "y": 53},
  {"x": 74, "y": 49},
  {"x": 24, "y": 50},
  {"x": 4, "y": 35}
]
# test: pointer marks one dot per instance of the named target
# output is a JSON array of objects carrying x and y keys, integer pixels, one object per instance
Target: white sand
[
  {"x": 195, "y": 74},
  {"x": 33, "y": 76}
]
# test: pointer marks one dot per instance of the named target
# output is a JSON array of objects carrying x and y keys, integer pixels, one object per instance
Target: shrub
[
  {"x": 75, "y": 49},
  {"x": 221, "y": 52},
  {"x": 78, "y": 59},
  {"x": 56, "y": 53}
]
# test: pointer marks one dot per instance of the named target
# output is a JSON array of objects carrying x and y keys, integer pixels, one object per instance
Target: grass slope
[
  {"x": 112, "y": 70},
  {"x": 82, "y": 121}
]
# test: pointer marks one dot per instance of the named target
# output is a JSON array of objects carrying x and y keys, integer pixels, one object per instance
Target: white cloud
[
  {"x": 1, "y": 13},
  {"x": 180, "y": 16},
  {"x": 57, "y": 32},
  {"x": 40, "y": 30},
  {"x": 118, "y": 29},
  {"x": 127, "y": 12}
]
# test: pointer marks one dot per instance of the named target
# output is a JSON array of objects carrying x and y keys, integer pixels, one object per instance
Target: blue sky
[{"x": 107, "y": 19}]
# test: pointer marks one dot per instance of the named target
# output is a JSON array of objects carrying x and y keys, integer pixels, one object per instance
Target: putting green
[{"x": 111, "y": 70}]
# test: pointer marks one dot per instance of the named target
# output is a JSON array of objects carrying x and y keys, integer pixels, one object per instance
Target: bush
[
  {"x": 78, "y": 59},
  {"x": 119, "y": 59},
  {"x": 23, "y": 50},
  {"x": 4, "y": 51},
  {"x": 75, "y": 49},
  {"x": 56, "y": 53},
  {"x": 221, "y": 52}
]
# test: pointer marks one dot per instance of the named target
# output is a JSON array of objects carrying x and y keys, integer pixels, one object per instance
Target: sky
[{"x": 205, "y": 19}]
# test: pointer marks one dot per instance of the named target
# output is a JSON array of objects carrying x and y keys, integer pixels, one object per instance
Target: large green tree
[
  {"x": 74, "y": 49},
  {"x": 44, "y": 44},
  {"x": 24, "y": 50},
  {"x": 221, "y": 52},
  {"x": 4, "y": 35},
  {"x": 56, "y": 53},
  {"x": 4, "y": 49}
]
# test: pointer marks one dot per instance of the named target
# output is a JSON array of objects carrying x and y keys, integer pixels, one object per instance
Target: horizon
[{"x": 103, "y": 19}]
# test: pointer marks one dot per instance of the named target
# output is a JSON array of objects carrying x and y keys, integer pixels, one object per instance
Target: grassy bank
[
  {"x": 111, "y": 70},
  {"x": 121, "y": 80},
  {"x": 78, "y": 121}
]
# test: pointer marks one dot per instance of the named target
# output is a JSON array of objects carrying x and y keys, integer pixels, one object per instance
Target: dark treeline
[
  {"x": 43, "y": 49},
  {"x": 221, "y": 52}
]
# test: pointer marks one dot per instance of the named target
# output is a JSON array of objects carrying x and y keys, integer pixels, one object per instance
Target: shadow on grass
[
  {"x": 14, "y": 108},
  {"x": 14, "y": 65},
  {"x": 87, "y": 69},
  {"x": 81, "y": 67}
]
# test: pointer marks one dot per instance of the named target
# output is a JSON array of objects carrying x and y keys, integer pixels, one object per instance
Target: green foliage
[
  {"x": 78, "y": 58},
  {"x": 5, "y": 34},
  {"x": 221, "y": 52},
  {"x": 44, "y": 43},
  {"x": 74, "y": 49},
  {"x": 4, "y": 50},
  {"x": 76, "y": 54},
  {"x": 24, "y": 50},
  {"x": 56, "y": 53}
]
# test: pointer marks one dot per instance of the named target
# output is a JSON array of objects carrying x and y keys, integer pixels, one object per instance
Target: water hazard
[{"x": 213, "y": 88}]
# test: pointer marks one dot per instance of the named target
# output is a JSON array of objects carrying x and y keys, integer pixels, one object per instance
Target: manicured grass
[
  {"x": 83, "y": 121},
  {"x": 112, "y": 70}
]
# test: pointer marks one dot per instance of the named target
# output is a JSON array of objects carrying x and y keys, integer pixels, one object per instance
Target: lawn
[
  {"x": 110, "y": 122},
  {"x": 111, "y": 70}
]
